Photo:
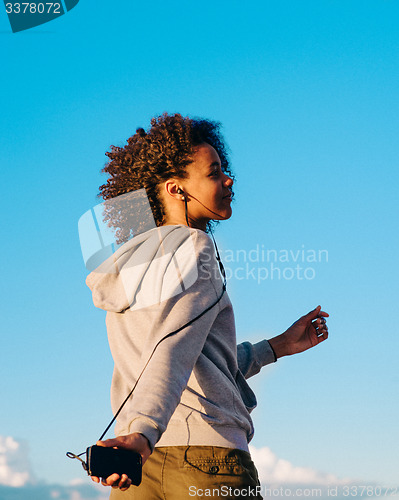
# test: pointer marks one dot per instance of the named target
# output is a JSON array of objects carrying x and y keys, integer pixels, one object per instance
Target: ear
[{"x": 174, "y": 189}]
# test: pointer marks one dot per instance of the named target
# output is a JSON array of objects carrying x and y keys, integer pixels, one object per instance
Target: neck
[
  {"x": 178, "y": 214},
  {"x": 181, "y": 221}
]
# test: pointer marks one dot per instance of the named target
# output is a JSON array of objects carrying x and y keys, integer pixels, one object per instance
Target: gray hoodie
[{"x": 193, "y": 390}]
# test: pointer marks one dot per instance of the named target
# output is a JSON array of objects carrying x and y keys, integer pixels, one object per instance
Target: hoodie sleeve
[
  {"x": 252, "y": 357},
  {"x": 164, "y": 378}
]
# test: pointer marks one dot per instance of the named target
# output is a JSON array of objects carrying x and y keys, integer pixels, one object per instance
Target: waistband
[{"x": 204, "y": 435}]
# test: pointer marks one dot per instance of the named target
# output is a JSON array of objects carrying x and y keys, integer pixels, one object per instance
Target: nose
[{"x": 228, "y": 181}]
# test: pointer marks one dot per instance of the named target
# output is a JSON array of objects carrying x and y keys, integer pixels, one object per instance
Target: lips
[{"x": 228, "y": 196}]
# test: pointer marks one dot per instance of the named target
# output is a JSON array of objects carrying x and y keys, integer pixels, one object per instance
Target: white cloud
[
  {"x": 15, "y": 469},
  {"x": 274, "y": 470},
  {"x": 18, "y": 482},
  {"x": 77, "y": 481},
  {"x": 42, "y": 491}
]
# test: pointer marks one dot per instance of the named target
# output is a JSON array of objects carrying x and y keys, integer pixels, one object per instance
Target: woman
[{"x": 189, "y": 416}]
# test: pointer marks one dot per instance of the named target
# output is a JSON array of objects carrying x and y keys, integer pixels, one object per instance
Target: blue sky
[{"x": 308, "y": 95}]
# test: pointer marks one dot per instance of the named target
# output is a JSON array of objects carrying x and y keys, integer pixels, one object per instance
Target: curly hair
[{"x": 150, "y": 158}]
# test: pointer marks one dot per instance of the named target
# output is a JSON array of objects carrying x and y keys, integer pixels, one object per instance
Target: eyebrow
[{"x": 214, "y": 164}]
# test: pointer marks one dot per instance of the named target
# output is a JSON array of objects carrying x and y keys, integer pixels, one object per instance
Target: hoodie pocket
[{"x": 247, "y": 395}]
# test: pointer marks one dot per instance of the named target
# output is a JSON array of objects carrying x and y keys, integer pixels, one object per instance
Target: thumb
[
  {"x": 314, "y": 313},
  {"x": 108, "y": 443}
]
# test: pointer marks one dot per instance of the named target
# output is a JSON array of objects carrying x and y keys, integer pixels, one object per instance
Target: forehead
[{"x": 204, "y": 157}]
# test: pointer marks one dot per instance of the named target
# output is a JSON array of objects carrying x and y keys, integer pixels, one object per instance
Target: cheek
[{"x": 217, "y": 195}]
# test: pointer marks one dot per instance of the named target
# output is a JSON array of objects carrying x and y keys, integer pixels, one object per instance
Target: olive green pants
[{"x": 192, "y": 472}]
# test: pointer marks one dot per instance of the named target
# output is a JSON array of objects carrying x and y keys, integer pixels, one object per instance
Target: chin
[{"x": 225, "y": 214}]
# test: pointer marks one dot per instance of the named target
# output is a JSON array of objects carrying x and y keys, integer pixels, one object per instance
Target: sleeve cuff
[
  {"x": 147, "y": 428},
  {"x": 273, "y": 351},
  {"x": 265, "y": 353}
]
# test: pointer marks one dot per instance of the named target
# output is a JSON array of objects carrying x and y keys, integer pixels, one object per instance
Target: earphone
[{"x": 183, "y": 198}]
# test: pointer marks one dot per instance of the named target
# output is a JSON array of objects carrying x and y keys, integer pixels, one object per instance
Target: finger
[
  {"x": 322, "y": 336},
  {"x": 319, "y": 323},
  {"x": 111, "y": 480},
  {"x": 320, "y": 328},
  {"x": 314, "y": 313},
  {"x": 109, "y": 443},
  {"x": 324, "y": 313},
  {"x": 128, "y": 484},
  {"x": 124, "y": 483},
  {"x": 322, "y": 331},
  {"x": 95, "y": 479}
]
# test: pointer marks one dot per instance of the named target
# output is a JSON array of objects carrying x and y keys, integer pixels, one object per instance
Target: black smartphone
[{"x": 102, "y": 462}]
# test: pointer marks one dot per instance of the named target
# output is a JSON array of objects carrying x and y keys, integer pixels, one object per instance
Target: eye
[{"x": 214, "y": 173}]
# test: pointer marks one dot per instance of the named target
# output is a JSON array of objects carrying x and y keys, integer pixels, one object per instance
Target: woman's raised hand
[{"x": 308, "y": 331}]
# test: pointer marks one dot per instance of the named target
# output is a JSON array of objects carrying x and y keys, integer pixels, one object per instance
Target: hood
[{"x": 147, "y": 270}]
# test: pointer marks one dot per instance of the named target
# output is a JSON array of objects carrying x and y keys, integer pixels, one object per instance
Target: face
[{"x": 207, "y": 188}]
